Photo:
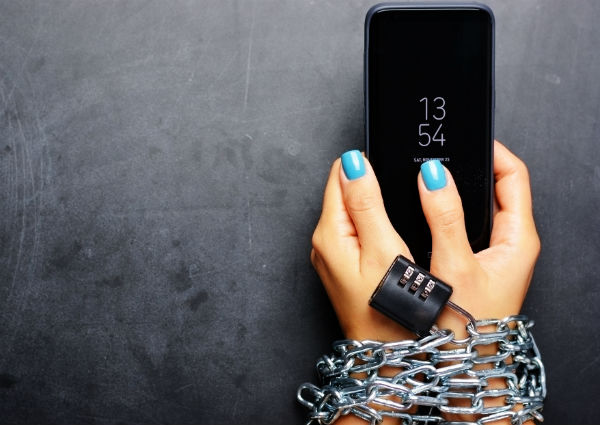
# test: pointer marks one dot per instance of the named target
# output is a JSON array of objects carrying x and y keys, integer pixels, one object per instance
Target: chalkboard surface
[{"x": 161, "y": 172}]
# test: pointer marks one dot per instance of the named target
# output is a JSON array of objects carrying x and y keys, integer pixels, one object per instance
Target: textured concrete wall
[{"x": 161, "y": 172}]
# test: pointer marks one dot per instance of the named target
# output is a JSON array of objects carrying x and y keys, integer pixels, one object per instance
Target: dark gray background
[{"x": 162, "y": 167}]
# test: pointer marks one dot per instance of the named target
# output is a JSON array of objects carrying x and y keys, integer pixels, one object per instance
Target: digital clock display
[{"x": 429, "y": 95}]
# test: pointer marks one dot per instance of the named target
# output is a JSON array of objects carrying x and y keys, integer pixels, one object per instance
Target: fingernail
[
  {"x": 433, "y": 174},
  {"x": 353, "y": 164}
]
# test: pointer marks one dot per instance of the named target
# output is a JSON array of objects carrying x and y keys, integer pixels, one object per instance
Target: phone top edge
[
  {"x": 428, "y": 6},
  {"x": 423, "y": 6},
  {"x": 379, "y": 7}
]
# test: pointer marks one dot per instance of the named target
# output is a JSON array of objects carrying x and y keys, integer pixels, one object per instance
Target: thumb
[
  {"x": 363, "y": 201},
  {"x": 444, "y": 213}
]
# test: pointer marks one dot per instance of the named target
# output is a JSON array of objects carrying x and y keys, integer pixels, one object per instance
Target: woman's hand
[{"x": 354, "y": 244}]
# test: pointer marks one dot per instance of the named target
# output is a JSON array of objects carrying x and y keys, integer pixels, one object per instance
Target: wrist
[
  {"x": 495, "y": 377},
  {"x": 493, "y": 384}
]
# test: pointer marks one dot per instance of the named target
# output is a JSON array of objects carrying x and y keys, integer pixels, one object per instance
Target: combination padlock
[{"x": 411, "y": 296}]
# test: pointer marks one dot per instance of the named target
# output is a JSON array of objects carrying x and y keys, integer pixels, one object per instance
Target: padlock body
[{"x": 411, "y": 296}]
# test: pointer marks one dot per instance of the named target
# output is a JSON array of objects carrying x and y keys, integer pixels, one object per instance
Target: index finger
[
  {"x": 513, "y": 223},
  {"x": 334, "y": 212},
  {"x": 513, "y": 191}
]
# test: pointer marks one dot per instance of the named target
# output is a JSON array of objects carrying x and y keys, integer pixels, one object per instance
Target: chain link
[{"x": 430, "y": 379}]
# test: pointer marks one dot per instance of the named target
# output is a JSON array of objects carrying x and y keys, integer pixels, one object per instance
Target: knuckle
[
  {"x": 520, "y": 168},
  {"x": 358, "y": 202},
  {"x": 316, "y": 241},
  {"x": 535, "y": 244},
  {"x": 447, "y": 219},
  {"x": 529, "y": 244}
]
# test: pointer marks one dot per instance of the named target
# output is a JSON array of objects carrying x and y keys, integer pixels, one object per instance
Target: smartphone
[{"x": 429, "y": 94}]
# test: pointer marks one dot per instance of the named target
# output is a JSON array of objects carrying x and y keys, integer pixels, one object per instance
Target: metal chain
[{"x": 430, "y": 379}]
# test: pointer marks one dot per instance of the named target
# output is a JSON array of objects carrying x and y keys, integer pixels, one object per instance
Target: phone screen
[{"x": 429, "y": 86}]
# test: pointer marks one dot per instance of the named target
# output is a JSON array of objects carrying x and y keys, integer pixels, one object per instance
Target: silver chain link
[{"x": 428, "y": 381}]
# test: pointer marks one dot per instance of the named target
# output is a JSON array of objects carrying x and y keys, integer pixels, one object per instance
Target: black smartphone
[{"x": 429, "y": 94}]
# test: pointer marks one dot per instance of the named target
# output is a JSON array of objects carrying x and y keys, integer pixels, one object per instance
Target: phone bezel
[{"x": 436, "y": 6}]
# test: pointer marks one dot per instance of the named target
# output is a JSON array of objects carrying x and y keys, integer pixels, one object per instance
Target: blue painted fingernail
[
  {"x": 433, "y": 174},
  {"x": 353, "y": 164}
]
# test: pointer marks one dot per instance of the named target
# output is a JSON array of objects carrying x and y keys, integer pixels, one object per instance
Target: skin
[{"x": 354, "y": 243}]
